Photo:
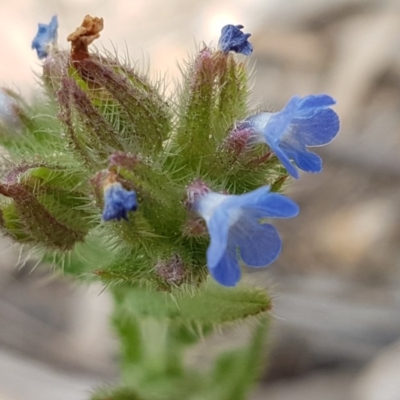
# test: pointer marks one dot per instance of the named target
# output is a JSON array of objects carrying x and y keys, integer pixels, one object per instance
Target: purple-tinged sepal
[
  {"x": 237, "y": 228},
  {"x": 46, "y": 205},
  {"x": 243, "y": 164},
  {"x": 118, "y": 201},
  {"x": 125, "y": 98},
  {"x": 91, "y": 135},
  {"x": 304, "y": 122},
  {"x": 233, "y": 39},
  {"x": 45, "y": 41},
  {"x": 237, "y": 142},
  {"x": 55, "y": 68}
]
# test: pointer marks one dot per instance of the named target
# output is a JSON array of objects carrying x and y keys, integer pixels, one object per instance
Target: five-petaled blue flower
[
  {"x": 118, "y": 201},
  {"x": 233, "y": 39},
  {"x": 46, "y": 38},
  {"x": 238, "y": 231},
  {"x": 307, "y": 121}
]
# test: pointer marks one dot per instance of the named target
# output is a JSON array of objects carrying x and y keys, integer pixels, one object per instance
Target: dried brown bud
[{"x": 84, "y": 36}]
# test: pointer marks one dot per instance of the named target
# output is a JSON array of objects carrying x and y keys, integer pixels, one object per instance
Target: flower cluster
[{"x": 238, "y": 224}]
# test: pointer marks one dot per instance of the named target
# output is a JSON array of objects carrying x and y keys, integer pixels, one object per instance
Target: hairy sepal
[
  {"x": 45, "y": 206},
  {"x": 213, "y": 96}
]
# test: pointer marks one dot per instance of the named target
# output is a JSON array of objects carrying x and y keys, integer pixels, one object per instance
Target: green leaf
[{"x": 208, "y": 305}]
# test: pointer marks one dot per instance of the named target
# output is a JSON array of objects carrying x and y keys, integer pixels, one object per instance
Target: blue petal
[
  {"x": 279, "y": 123},
  {"x": 284, "y": 158},
  {"x": 218, "y": 229},
  {"x": 271, "y": 127},
  {"x": 235, "y": 226},
  {"x": 111, "y": 212},
  {"x": 303, "y": 122},
  {"x": 45, "y": 38},
  {"x": 317, "y": 130},
  {"x": 233, "y": 39},
  {"x": 305, "y": 160},
  {"x": 317, "y": 101},
  {"x": 227, "y": 271},
  {"x": 259, "y": 244},
  {"x": 263, "y": 204},
  {"x": 117, "y": 202}
]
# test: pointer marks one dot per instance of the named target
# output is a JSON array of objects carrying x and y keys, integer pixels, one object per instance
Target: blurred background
[{"x": 336, "y": 287}]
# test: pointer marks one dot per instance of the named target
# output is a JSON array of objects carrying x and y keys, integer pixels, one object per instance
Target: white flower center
[{"x": 209, "y": 203}]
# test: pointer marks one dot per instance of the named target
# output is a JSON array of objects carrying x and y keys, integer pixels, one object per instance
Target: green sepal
[
  {"x": 85, "y": 259},
  {"x": 39, "y": 133},
  {"x": 91, "y": 139},
  {"x": 213, "y": 97},
  {"x": 46, "y": 205},
  {"x": 234, "y": 92},
  {"x": 37, "y": 223},
  {"x": 12, "y": 225},
  {"x": 160, "y": 198},
  {"x": 154, "y": 266},
  {"x": 133, "y": 106},
  {"x": 130, "y": 266},
  {"x": 55, "y": 68},
  {"x": 246, "y": 173}
]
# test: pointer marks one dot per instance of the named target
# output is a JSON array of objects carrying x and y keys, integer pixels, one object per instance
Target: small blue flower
[
  {"x": 233, "y": 39},
  {"x": 118, "y": 201},
  {"x": 238, "y": 231},
  {"x": 46, "y": 38},
  {"x": 307, "y": 121}
]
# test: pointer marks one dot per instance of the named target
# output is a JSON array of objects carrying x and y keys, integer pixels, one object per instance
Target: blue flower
[
  {"x": 118, "y": 201},
  {"x": 238, "y": 231},
  {"x": 307, "y": 121},
  {"x": 46, "y": 38},
  {"x": 233, "y": 39}
]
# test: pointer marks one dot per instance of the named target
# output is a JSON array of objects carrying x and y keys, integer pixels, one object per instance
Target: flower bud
[
  {"x": 213, "y": 97},
  {"x": 44, "y": 205},
  {"x": 117, "y": 200},
  {"x": 90, "y": 134},
  {"x": 171, "y": 271},
  {"x": 126, "y": 100},
  {"x": 55, "y": 67}
]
